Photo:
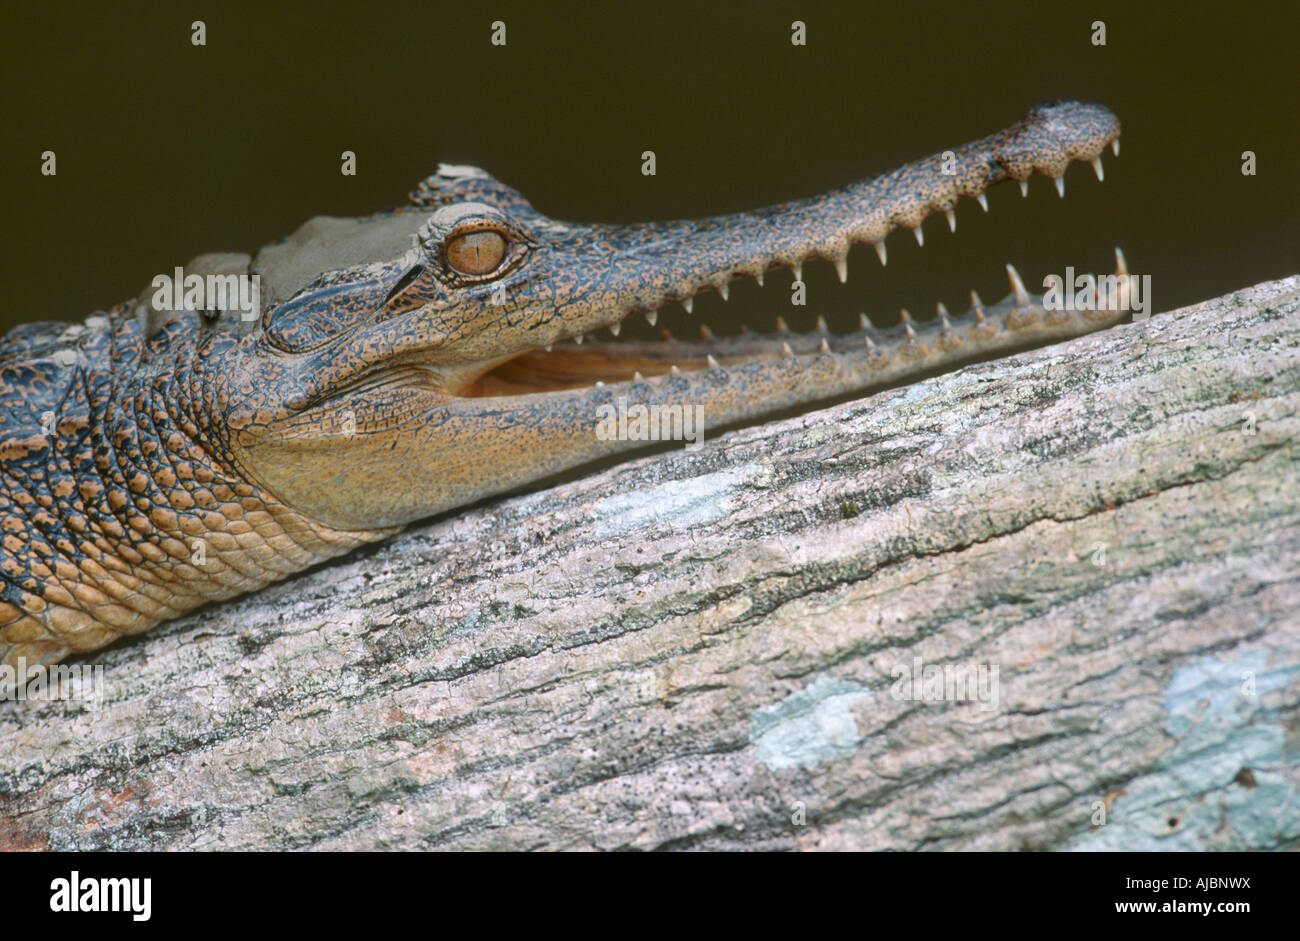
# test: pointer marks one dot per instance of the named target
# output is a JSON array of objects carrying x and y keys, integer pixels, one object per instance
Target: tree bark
[{"x": 703, "y": 649}]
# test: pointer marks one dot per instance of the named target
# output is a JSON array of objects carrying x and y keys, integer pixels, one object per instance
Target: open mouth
[{"x": 604, "y": 356}]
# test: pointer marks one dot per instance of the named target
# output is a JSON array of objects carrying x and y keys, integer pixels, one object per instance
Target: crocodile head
[{"x": 391, "y": 389}]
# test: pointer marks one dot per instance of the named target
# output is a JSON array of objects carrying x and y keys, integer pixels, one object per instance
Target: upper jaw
[{"x": 642, "y": 268}]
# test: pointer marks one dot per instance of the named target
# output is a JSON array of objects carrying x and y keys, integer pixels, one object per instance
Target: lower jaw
[{"x": 587, "y": 362}]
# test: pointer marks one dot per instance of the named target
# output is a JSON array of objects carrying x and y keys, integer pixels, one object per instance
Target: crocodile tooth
[
  {"x": 599, "y": 384},
  {"x": 548, "y": 347},
  {"x": 943, "y": 315},
  {"x": 920, "y": 238},
  {"x": 636, "y": 376},
  {"x": 821, "y": 324},
  {"x": 711, "y": 362},
  {"x": 842, "y": 268},
  {"x": 578, "y": 339},
  {"x": 1096, "y": 168},
  {"x": 689, "y": 304},
  {"x": 705, "y": 332},
  {"x": 978, "y": 306},
  {"x": 863, "y": 322},
  {"x": 674, "y": 371},
  {"x": 1114, "y": 147},
  {"x": 1123, "y": 294},
  {"x": 798, "y": 272},
  {"x": 905, "y": 316},
  {"x": 825, "y": 347},
  {"x": 911, "y": 334},
  {"x": 1022, "y": 297},
  {"x": 1024, "y": 187},
  {"x": 871, "y": 345},
  {"x": 952, "y": 220},
  {"x": 983, "y": 201},
  {"x": 780, "y": 325},
  {"x": 880, "y": 250},
  {"x": 759, "y": 278},
  {"x": 786, "y": 351},
  {"x": 652, "y": 316},
  {"x": 614, "y": 328},
  {"x": 1060, "y": 186},
  {"x": 724, "y": 291}
]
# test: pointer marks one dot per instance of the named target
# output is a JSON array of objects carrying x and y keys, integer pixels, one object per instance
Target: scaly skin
[{"x": 187, "y": 464}]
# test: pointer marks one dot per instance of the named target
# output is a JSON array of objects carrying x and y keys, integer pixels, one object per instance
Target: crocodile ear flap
[
  {"x": 459, "y": 184},
  {"x": 333, "y": 304}
]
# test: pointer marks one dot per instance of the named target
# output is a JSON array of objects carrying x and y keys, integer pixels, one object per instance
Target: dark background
[{"x": 166, "y": 150}]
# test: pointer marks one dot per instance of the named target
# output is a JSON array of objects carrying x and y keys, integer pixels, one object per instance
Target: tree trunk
[{"x": 715, "y": 649}]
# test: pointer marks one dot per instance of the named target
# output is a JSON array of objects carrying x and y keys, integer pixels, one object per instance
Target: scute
[{"x": 38, "y": 364}]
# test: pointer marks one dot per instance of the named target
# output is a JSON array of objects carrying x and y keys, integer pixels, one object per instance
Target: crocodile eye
[{"x": 476, "y": 253}]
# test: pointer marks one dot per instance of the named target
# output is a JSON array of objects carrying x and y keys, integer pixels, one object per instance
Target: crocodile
[{"x": 428, "y": 357}]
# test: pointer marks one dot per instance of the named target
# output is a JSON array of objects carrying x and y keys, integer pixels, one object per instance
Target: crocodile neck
[{"x": 136, "y": 514}]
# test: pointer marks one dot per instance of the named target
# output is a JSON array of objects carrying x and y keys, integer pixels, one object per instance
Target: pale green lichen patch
[
  {"x": 1229, "y": 781},
  {"x": 809, "y": 727},
  {"x": 818, "y": 434},
  {"x": 678, "y": 504}
]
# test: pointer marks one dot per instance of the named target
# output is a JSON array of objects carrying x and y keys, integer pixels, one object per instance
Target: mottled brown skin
[{"x": 149, "y": 468}]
